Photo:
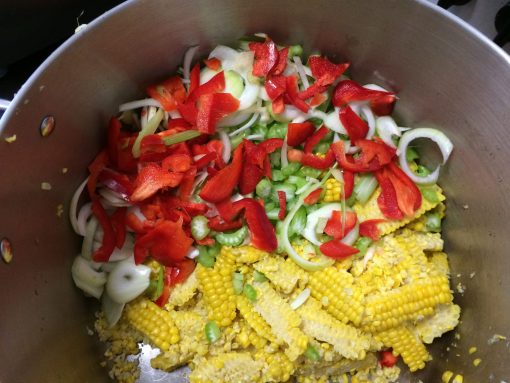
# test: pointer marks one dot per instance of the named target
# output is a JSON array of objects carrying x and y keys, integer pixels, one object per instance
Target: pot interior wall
[{"x": 444, "y": 73}]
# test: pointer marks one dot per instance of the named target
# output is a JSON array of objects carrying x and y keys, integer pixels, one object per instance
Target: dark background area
[{"x": 31, "y": 30}]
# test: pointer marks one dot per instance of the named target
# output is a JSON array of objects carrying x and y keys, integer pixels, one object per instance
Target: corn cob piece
[
  {"x": 283, "y": 320},
  {"x": 233, "y": 367},
  {"x": 253, "y": 319},
  {"x": 277, "y": 367},
  {"x": 335, "y": 368},
  {"x": 405, "y": 343},
  {"x": 183, "y": 292},
  {"x": 346, "y": 340},
  {"x": 421, "y": 241},
  {"x": 333, "y": 192},
  {"x": 438, "y": 264},
  {"x": 283, "y": 273},
  {"x": 445, "y": 319},
  {"x": 216, "y": 286},
  {"x": 312, "y": 379},
  {"x": 245, "y": 254},
  {"x": 410, "y": 302},
  {"x": 335, "y": 290},
  {"x": 153, "y": 322},
  {"x": 248, "y": 337},
  {"x": 420, "y": 223},
  {"x": 371, "y": 211}
]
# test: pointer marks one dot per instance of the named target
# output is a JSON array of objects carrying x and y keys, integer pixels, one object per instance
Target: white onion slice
[
  {"x": 111, "y": 309},
  {"x": 313, "y": 218},
  {"x": 386, "y": 129},
  {"x": 375, "y": 87},
  {"x": 248, "y": 125},
  {"x": 332, "y": 122},
  {"x": 283, "y": 154},
  {"x": 139, "y": 104},
  {"x": 255, "y": 137},
  {"x": 301, "y": 71},
  {"x": 74, "y": 206},
  {"x": 112, "y": 197},
  {"x": 291, "y": 113},
  {"x": 234, "y": 119},
  {"x": 300, "y": 299},
  {"x": 127, "y": 281},
  {"x": 250, "y": 94},
  {"x": 200, "y": 178},
  {"x": 188, "y": 58},
  {"x": 442, "y": 141},
  {"x": 125, "y": 251},
  {"x": 369, "y": 116},
  {"x": 193, "y": 253},
  {"x": 86, "y": 278},
  {"x": 318, "y": 114},
  {"x": 227, "y": 146},
  {"x": 369, "y": 254},
  {"x": 298, "y": 120},
  {"x": 263, "y": 94},
  {"x": 305, "y": 187},
  {"x": 83, "y": 216},
  {"x": 174, "y": 114},
  {"x": 336, "y": 137},
  {"x": 338, "y": 175},
  {"x": 351, "y": 236},
  {"x": 88, "y": 239},
  {"x": 224, "y": 54}
]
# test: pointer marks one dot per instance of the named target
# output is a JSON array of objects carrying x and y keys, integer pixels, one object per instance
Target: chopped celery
[
  {"x": 289, "y": 189},
  {"x": 322, "y": 148},
  {"x": 298, "y": 223},
  {"x": 275, "y": 159},
  {"x": 411, "y": 155},
  {"x": 315, "y": 120},
  {"x": 199, "y": 227},
  {"x": 277, "y": 175},
  {"x": 259, "y": 277},
  {"x": 273, "y": 213},
  {"x": 298, "y": 181},
  {"x": 365, "y": 187},
  {"x": 232, "y": 239},
  {"x": 205, "y": 258},
  {"x": 362, "y": 244},
  {"x": 250, "y": 292},
  {"x": 237, "y": 282},
  {"x": 155, "y": 288},
  {"x": 181, "y": 137},
  {"x": 278, "y": 130},
  {"x": 150, "y": 128},
  {"x": 214, "y": 250},
  {"x": 290, "y": 169},
  {"x": 430, "y": 194},
  {"x": 212, "y": 331},
  {"x": 295, "y": 50},
  {"x": 263, "y": 188},
  {"x": 238, "y": 138},
  {"x": 269, "y": 205},
  {"x": 259, "y": 129},
  {"x": 312, "y": 354},
  {"x": 306, "y": 171},
  {"x": 433, "y": 223}
]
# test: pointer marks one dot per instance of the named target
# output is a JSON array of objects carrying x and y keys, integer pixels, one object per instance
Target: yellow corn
[
  {"x": 182, "y": 293},
  {"x": 153, "y": 322},
  {"x": 216, "y": 286},
  {"x": 410, "y": 302},
  {"x": 421, "y": 241},
  {"x": 247, "y": 336},
  {"x": 283, "y": 320},
  {"x": 458, "y": 379},
  {"x": 447, "y": 375},
  {"x": 445, "y": 319},
  {"x": 283, "y": 273},
  {"x": 419, "y": 224},
  {"x": 245, "y": 254},
  {"x": 253, "y": 319},
  {"x": 277, "y": 367},
  {"x": 333, "y": 190},
  {"x": 335, "y": 290},
  {"x": 371, "y": 211},
  {"x": 405, "y": 343},
  {"x": 232, "y": 367}
]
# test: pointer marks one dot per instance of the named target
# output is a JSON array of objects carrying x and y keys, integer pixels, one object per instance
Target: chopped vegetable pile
[{"x": 261, "y": 217}]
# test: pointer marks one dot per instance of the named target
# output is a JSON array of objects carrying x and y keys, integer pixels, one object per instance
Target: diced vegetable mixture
[{"x": 261, "y": 217}]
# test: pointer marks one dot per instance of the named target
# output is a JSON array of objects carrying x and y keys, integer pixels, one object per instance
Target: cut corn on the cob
[
  {"x": 283, "y": 273},
  {"x": 233, "y": 367}
]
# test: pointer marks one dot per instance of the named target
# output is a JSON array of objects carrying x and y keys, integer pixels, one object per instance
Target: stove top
[{"x": 34, "y": 41}]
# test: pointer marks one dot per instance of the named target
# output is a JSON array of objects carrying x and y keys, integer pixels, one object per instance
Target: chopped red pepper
[
  {"x": 282, "y": 199},
  {"x": 205, "y": 160},
  {"x": 186, "y": 185},
  {"x": 278, "y": 105},
  {"x": 355, "y": 126},
  {"x": 315, "y": 138},
  {"x": 348, "y": 183},
  {"x": 374, "y": 155},
  {"x": 114, "y": 128},
  {"x": 250, "y": 177},
  {"x": 408, "y": 195},
  {"x": 207, "y": 241},
  {"x": 275, "y": 87},
  {"x": 336, "y": 228},
  {"x": 136, "y": 224},
  {"x": 282, "y": 61},
  {"x": 95, "y": 169},
  {"x": 165, "y": 293},
  {"x": 188, "y": 112},
  {"x": 293, "y": 95},
  {"x": 387, "y": 359},
  {"x": 321, "y": 66},
  {"x": 150, "y": 144},
  {"x": 214, "y": 85},
  {"x": 212, "y": 108},
  {"x": 262, "y": 233},
  {"x": 271, "y": 145},
  {"x": 125, "y": 160},
  {"x": 194, "y": 78},
  {"x": 317, "y": 162},
  {"x": 348, "y": 91},
  {"x": 222, "y": 184},
  {"x": 384, "y": 106},
  {"x": 266, "y": 57},
  {"x": 152, "y": 178},
  {"x": 313, "y": 197},
  {"x": 179, "y": 124},
  {"x": 169, "y": 93},
  {"x": 369, "y": 228},
  {"x": 218, "y": 224},
  {"x": 337, "y": 250},
  {"x": 319, "y": 86},
  {"x": 298, "y": 132},
  {"x": 318, "y": 99},
  {"x": 254, "y": 154},
  {"x": 387, "y": 200},
  {"x": 213, "y": 63},
  {"x": 116, "y": 181},
  {"x": 167, "y": 243},
  {"x": 109, "y": 239},
  {"x": 177, "y": 163},
  {"x": 118, "y": 220},
  {"x": 226, "y": 209}
]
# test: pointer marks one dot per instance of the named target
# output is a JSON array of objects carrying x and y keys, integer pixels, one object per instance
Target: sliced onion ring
[
  {"x": 387, "y": 128},
  {"x": 442, "y": 141},
  {"x": 74, "y": 207},
  {"x": 300, "y": 299},
  {"x": 227, "y": 146},
  {"x": 188, "y": 58}
]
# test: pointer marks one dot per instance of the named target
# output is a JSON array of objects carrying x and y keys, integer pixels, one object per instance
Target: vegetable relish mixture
[{"x": 262, "y": 218}]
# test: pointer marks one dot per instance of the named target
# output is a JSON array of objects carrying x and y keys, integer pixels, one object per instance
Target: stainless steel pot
[{"x": 445, "y": 72}]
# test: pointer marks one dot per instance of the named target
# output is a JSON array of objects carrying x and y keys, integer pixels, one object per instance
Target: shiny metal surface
[{"x": 446, "y": 75}]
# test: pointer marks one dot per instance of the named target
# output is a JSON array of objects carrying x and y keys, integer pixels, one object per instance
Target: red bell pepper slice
[
  {"x": 313, "y": 197},
  {"x": 317, "y": 162},
  {"x": 167, "y": 243},
  {"x": 125, "y": 161},
  {"x": 282, "y": 199},
  {"x": 383, "y": 106},
  {"x": 212, "y": 108},
  {"x": 152, "y": 143},
  {"x": 387, "y": 359},
  {"x": 189, "y": 112},
  {"x": 205, "y": 160},
  {"x": 213, "y": 63},
  {"x": 319, "y": 86},
  {"x": 118, "y": 182},
  {"x": 95, "y": 168},
  {"x": 135, "y": 224},
  {"x": 179, "y": 124},
  {"x": 278, "y": 105},
  {"x": 337, "y": 250},
  {"x": 226, "y": 209},
  {"x": 293, "y": 94},
  {"x": 114, "y": 128},
  {"x": 271, "y": 145},
  {"x": 369, "y": 228},
  {"x": 275, "y": 87},
  {"x": 298, "y": 132},
  {"x": 214, "y": 85},
  {"x": 186, "y": 185},
  {"x": 282, "y": 61},
  {"x": 318, "y": 99},
  {"x": 177, "y": 163},
  {"x": 207, "y": 241},
  {"x": 169, "y": 93},
  {"x": 408, "y": 195},
  {"x": 336, "y": 228},
  {"x": 250, "y": 177},
  {"x": 218, "y": 224},
  {"x": 151, "y": 179},
  {"x": 348, "y": 91},
  {"x": 262, "y": 232},
  {"x": 321, "y": 66},
  {"x": 374, "y": 155},
  {"x": 222, "y": 184},
  {"x": 109, "y": 239},
  {"x": 182, "y": 270},
  {"x": 118, "y": 220},
  {"x": 387, "y": 200},
  {"x": 348, "y": 183},
  {"x": 165, "y": 293},
  {"x": 266, "y": 57},
  {"x": 355, "y": 126},
  {"x": 315, "y": 138},
  {"x": 254, "y": 154},
  {"x": 194, "y": 78}
]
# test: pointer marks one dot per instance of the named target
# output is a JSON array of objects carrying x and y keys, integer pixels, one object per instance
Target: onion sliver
[
  {"x": 86, "y": 278},
  {"x": 351, "y": 236},
  {"x": 442, "y": 141},
  {"x": 188, "y": 58},
  {"x": 312, "y": 219},
  {"x": 88, "y": 239},
  {"x": 332, "y": 122},
  {"x": 250, "y": 94},
  {"x": 283, "y": 154},
  {"x": 300, "y": 299},
  {"x": 111, "y": 309},
  {"x": 386, "y": 129},
  {"x": 369, "y": 116},
  {"x": 227, "y": 146},
  {"x": 337, "y": 175},
  {"x": 83, "y": 216},
  {"x": 301, "y": 71},
  {"x": 224, "y": 54},
  {"x": 74, "y": 206},
  {"x": 127, "y": 281},
  {"x": 139, "y": 104}
]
